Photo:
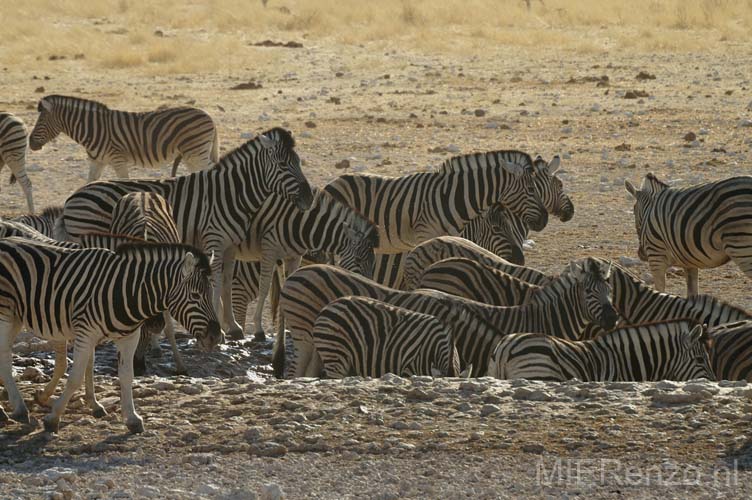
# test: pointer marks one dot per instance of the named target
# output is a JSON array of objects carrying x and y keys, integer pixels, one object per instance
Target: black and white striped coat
[
  {"x": 413, "y": 208},
  {"x": 696, "y": 227},
  {"x": 358, "y": 336},
  {"x": 212, "y": 208},
  {"x": 122, "y": 139},
  {"x": 283, "y": 232},
  {"x": 672, "y": 350},
  {"x": 563, "y": 309},
  {"x": 44, "y": 222},
  {"x": 13, "y": 143},
  {"x": 88, "y": 295},
  {"x": 730, "y": 347}
]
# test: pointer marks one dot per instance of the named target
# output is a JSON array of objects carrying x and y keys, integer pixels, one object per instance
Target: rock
[
  {"x": 464, "y": 407},
  {"x": 488, "y": 410},
  {"x": 192, "y": 389},
  {"x": 473, "y": 387},
  {"x": 35, "y": 480},
  {"x": 452, "y": 148},
  {"x": 527, "y": 394},
  {"x": 391, "y": 378},
  {"x": 272, "y": 492},
  {"x": 533, "y": 448},
  {"x": 55, "y": 473},
  {"x": 268, "y": 449},
  {"x": 342, "y": 164},
  {"x": 164, "y": 385},
  {"x": 595, "y": 108},
  {"x": 198, "y": 458},
  {"x": 644, "y": 75},
  {"x": 480, "y": 112},
  {"x": 566, "y": 130},
  {"x": 745, "y": 123},
  {"x": 698, "y": 387},
  {"x": 666, "y": 385},
  {"x": 149, "y": 492},
  {"x": 33, "y": 374},
  {"x": 310, "y": 124},
  {"x": 690, "y": 136},
  {"x": 678, "y": 398},
  {"x": 419, "y": 395},
  {"x": 703, "y": 131},
  {"x": 246, "y": 135},
  {"x": 401, "y": 425},
  {"x": 628, "y": 261}
]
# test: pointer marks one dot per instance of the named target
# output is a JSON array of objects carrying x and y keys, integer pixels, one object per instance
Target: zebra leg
[
  {"x": 658, "y": 270},
  {"x": 121, "y": 170},
  {"x": 224, "y": 291},
  {"x": 154, "y": 347},
  {"x": 170, "y": 334},
  {"x": 83, "y": 348},
  {"x": 126, "y": 348},
  {"x": 267, "y": 268},
  {"x": 8, "y": 332},
  {"x": 61, "y": 364},
  {"x": 315, "y": 365},
  {"x": 95, "y": 169},
  {"x": 19, "y": 171},
  {"x": 693, "y": 280},
  {"x": 96, "y": 409}
]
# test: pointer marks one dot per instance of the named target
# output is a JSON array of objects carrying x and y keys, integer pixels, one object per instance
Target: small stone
[
  {"x": 272, "y": 492},
  {"x": 164, "y": 385},
  {"x": 473, "y": 387},
  {"x": 464, "y": 407},
  {"x": 268, "y": 449},
  {"x": 419, "y": 395},
  {"x": 690, "y": 136},
  {"x": 745, "y": 123},
  {"x": 252, "y": 434},
  {"x": 488, "y": 410},
  {"x": 341, "y": 165},
  {"x": 34, "y": 480},
  {"x": 526, "y": 394},
  {"x": 149, "y": 492},
  {"x": 628, "y": 261},
  {"x": 480, "y": 112},
  {"x": 595, "y": 108},
  {"x": 55, "y": 473},
  {"x": 192, "y": 389},
  {"x": 533, "y": 448},
  {"x": 699, "y": 387},
  {"x": 703, "y": 131},
  {"x": 33, "y": 374},
  {"x": 678, "y": 398},
  {"x": 566, "y": 130},
  {"x": 666, "y": 385},
  {"x": 310, "y": 124}
]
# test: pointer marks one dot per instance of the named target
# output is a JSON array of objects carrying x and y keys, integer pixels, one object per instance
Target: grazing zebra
[
  {"x": 672, "y": 350},
  {"x": 358, "y": 336},
  {"x": 493, "y": 230},
  {"x": 730, "y": 347},
  {"x": 413, "y": 208},
  {"x": 446, "y": 247},
  {"x": 11, "y": 229},
  {"x": 563, "y": 309},
  {"x": 696, "y": 227},
  {"x": 283, "y": 231},
  {"x": 43, "y": 222},
  {"x": 13, "y": 153},
  {"x": 122, "y": 138},
  {"x": 90, "y": 295},
  {"x": 212, "y": 208}
]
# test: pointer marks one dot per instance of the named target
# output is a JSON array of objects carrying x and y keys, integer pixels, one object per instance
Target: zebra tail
[
  {"x": 278, "y": 352},
  {"x": 59, "y": 232},
  {"x": 175, "y": 165},
  {"x": 12, "y": 179},
  {"x": 214, "y": 157},
  {"x": 274, "y": 295}
]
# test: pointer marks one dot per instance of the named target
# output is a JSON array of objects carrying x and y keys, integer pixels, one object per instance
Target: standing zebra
[
  {"x": 212, "y": 208},
  {"x": 563, "y": 309},
  {"x": 13, "y": 153},
  {"x": 493, "y": 230},
  {"x": 43, "y": 222},
  {"x": 367, "y": 338},
  {"x": 445, "y": 247},
  {"x": 89, "y": 295},
  {"x": 282, "y": 231},
  {"x": 672, "y": 350},
  {"x": 122, "y": 138},
  {"x": 701, "y": 226},
  {"x": 413, "y": 208}
]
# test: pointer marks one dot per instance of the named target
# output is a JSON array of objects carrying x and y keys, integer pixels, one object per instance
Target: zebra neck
[
  {"x": 467, "y": 193},
  {"x": 147, "y": 282},
  {"x": 92, "y": 134},
  {"x": 559, "y": 309}
]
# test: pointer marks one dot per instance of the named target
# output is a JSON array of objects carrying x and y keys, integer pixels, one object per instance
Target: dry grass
[{"x": 117, "y": 34}]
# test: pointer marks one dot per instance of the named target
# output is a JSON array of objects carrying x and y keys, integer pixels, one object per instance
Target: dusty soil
[{"x": 395, "y": 112}]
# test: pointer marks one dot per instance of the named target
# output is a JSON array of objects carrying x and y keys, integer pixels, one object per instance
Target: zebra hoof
[
  {"x": 99, "y": 412},
  {"x": 235, "y": 334},
  {"x": 21, "y": 416},
  {"x": 181, "y": 371},
  {"x": 135, "y": 426},
  {"x": 259, "y": 336},
  {"x": 51, "y": 424}
]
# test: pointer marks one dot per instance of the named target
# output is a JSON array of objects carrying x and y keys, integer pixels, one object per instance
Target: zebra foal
[
  {"x": 121, "y": 138},
  {"x": 13, "y": 143},
  {"x": 367, "y": 338},
  {"x": 696, "y": 227},
  {"x": 89, "y": 295},
  {"x": 672, "y": 350}
]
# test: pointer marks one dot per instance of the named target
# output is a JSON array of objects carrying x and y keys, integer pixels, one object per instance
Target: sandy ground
[{"x": 394, "y": 111}]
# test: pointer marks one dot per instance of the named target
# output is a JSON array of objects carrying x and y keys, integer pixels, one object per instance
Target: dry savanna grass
[{"x": 195, "y": 36}]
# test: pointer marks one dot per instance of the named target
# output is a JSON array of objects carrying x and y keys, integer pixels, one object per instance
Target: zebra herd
[{"x": 422, "y": 274}]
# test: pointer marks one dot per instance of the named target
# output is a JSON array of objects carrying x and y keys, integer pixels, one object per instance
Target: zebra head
[
  {"x": 503, "y": 227},
  {"x": 527, "y": 204},
  {"x": 690, "y": 359},
  {"x": 592, "y": 277},
  {"x": 283, "y": 172},
  {"x": 644, "y": 199},
  {"x": 48, "y": 126},
  {"x": 551, "y": 189},
  {"x": 191, "y": 301}
]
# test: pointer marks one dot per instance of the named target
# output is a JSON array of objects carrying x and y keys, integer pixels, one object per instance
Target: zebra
[
  {"x": 212, "y": 208},
  {"x": 43, "y": 222},
  {"x": 13, "y": 142},
  {"x": 702, "y": 226},
  {"x": 445, "y": 247},
  {"x": 122, "y": 138},
  {"x": 11, "y": 229},
  {"x": 282, "y": 231},
  {"x": 493, "y": 230},
  {"x": 563, "y": 309},
  {"x": 90, "y": 295},
  {"x": 367, "y": 338},
  {"x": 672, "y": 350},
  {"x": 730, "y": 348},
  {"x": 416, "y": 207}
]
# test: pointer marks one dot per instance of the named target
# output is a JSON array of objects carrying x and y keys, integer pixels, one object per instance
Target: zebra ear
[
  {"x": 630, "y": 188},
  {"x": 44, "y": 104},
  {"x": 575, "y": 270},
  {"x": 435, "y": 372},
  {"x": 467, "y": 371},
  {"x": 265, "y": 141},
  {"x": 695, "y": 335},
  {"x": 189, "y": 265},
  {"x": 554, "y": 165}
]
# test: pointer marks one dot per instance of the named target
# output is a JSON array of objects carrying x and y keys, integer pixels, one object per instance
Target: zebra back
[
  {"x": 9, "y": 229},
  {"x": 43, "y": 222},
  {"x": 671, "y": 350},
  {"x": 731, "y": 351},
  {"x": 145, "y": 215}
]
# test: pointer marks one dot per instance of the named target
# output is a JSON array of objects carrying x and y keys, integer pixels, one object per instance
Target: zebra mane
[
  {"x": 136, "y": 245},
  {"x": 697, "y": 300},
  {"x": 73, "y": 102},
  {"x": 327, "y": 202},
  {"x": 509, "y": 155},
  {"x": 282, "y": 135},
  {"x": 651, "y": 181},
  {"x": 251, "y": 145},
  {"x": 692, "y": 323}
]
